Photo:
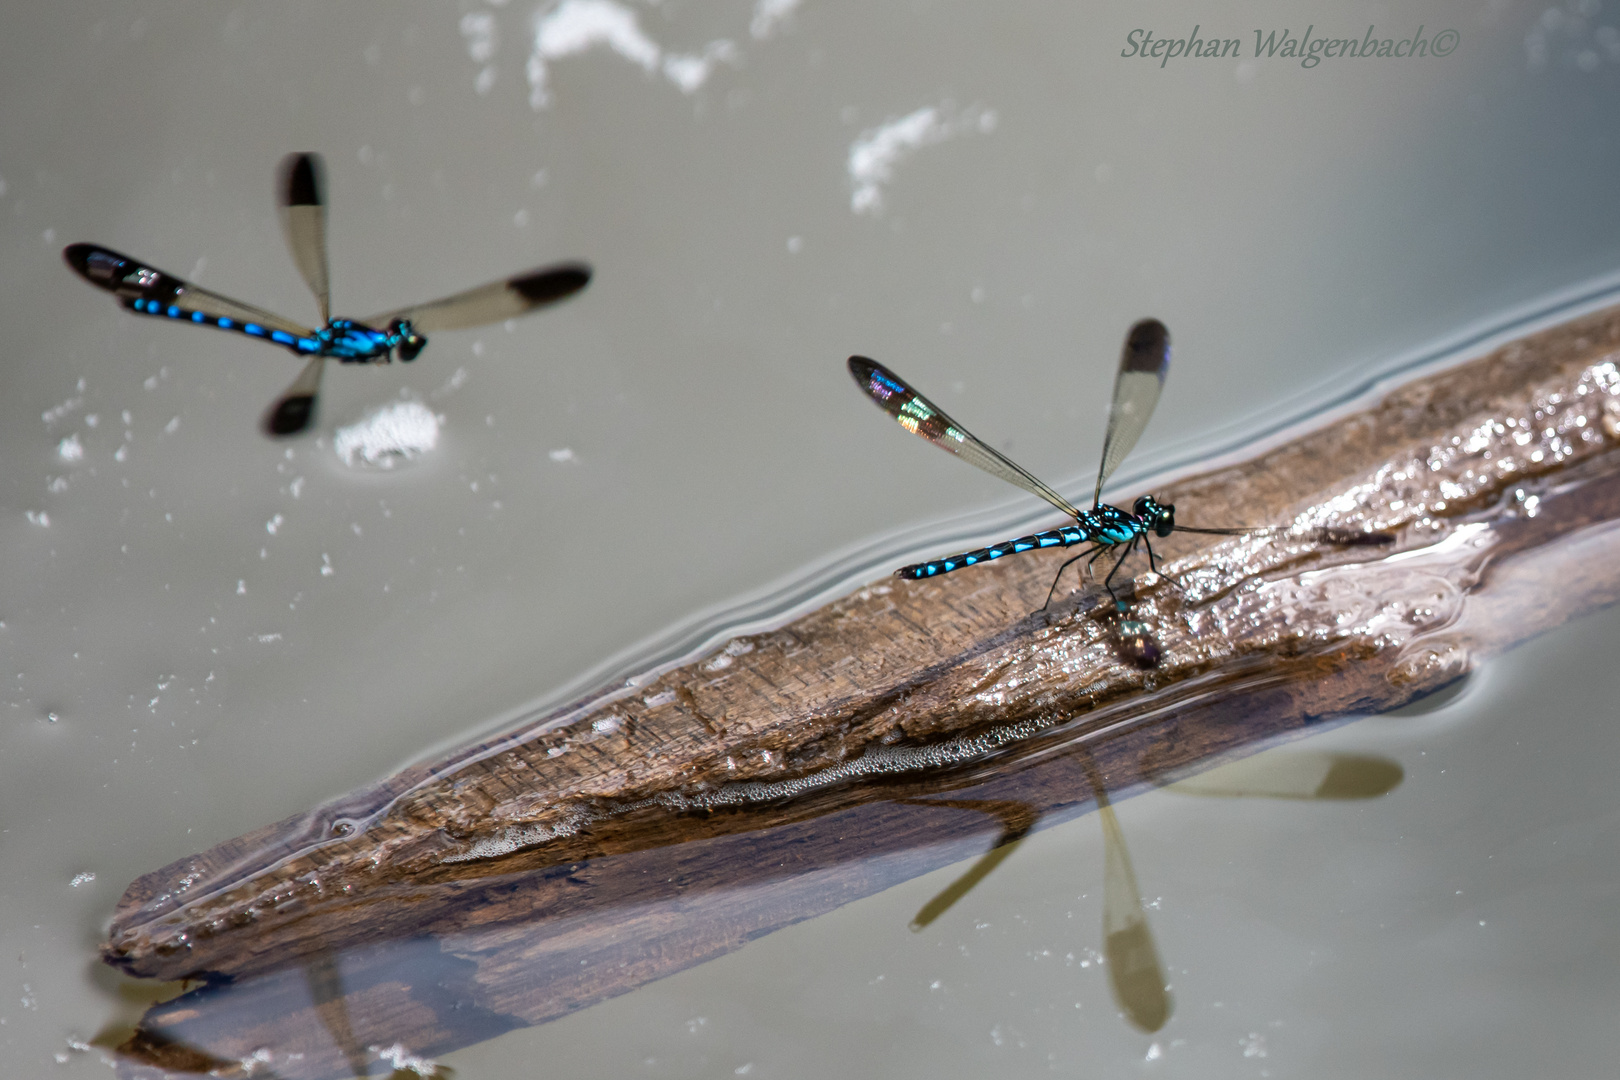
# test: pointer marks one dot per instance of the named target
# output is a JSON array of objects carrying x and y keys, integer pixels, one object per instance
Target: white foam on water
[
  {"x": 578, "y": 26},
  {"x": 770, "y": 16},
  {"x": 873, "y": 156},
  {"x": 397, "y": 432}
]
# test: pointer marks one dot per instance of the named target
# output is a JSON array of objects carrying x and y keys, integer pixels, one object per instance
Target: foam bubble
[{"x": 396, "y": 432}]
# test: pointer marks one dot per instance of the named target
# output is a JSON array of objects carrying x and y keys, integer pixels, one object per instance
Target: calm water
[{"x": 204, "y": 632}]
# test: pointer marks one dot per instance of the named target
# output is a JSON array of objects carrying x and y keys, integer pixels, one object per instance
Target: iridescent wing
[
  {"x": 922, "y": 417},
  {"x": 493, "y": 302},
  {"x": 301, "y": 197},
  {"x": 295, "y": 408},
  {"x": 131, "y": 280},
  {"x": 1142, "y": 367}
]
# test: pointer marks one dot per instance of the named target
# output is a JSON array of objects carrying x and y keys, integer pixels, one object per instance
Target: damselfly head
[
  {"x": 1155, "y": 515},
  {"x": 410, "y": 342}
]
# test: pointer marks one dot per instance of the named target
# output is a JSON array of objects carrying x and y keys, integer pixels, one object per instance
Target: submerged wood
[{"x": 656, "y": 825}]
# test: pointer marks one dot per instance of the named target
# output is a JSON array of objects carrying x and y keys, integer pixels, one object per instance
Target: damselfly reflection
[
  {"x": 1142, "y": 368},
  {"x": 1136, "y": 975},
  {"x": 147, "y": 290}
]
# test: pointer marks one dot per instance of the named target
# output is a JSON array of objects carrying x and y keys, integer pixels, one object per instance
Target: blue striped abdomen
[
  {"x": 220, "y": 322},
  {"x": 1067, "y": 536},
  {"x": 1103, "y": 525}
]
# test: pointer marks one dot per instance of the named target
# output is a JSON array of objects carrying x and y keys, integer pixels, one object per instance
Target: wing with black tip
[
  {"x": 301, "y": 198},
  {"x": 1142, "y": 367},
  {"x": 141, "y": 287},
  {"x": 294, "y": 410},
  {"x": 494, "y": 302},
  {"x": 922, "y": 417}
]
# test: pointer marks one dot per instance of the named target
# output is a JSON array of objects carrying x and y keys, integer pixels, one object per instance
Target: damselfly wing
[
  {"x": 144, "y": 288},
  {"x": 301, "y": 200},
  {"x": 302, "y": 203},
  {"x": 1143, "y": 364},
  {"x": 495, "y": 302},
  {"x": 922, "y": 417}
]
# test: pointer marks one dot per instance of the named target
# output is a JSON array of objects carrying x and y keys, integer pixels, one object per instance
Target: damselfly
[
  {"x": 301, "y": 196},
  {"x": 1142, "y": 368}
]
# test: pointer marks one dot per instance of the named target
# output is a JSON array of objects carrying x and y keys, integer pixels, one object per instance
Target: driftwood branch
[{"x": 652, "y": 827}]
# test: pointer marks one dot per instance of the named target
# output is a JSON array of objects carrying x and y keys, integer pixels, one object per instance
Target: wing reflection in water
[
  {"x": 1016, "y": 819},
  {"x": 1297, "y": 774},
  {"x": 1135, "y": 972}
]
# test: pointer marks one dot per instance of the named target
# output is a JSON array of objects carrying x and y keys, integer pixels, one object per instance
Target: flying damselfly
[{"x": 146, "y": 290}]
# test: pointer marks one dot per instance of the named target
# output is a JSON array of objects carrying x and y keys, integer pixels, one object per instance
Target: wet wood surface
[{"x": 654, "y": 826}]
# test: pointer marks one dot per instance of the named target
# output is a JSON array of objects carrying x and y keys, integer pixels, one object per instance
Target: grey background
[{"x": 1298, "y": 230}]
